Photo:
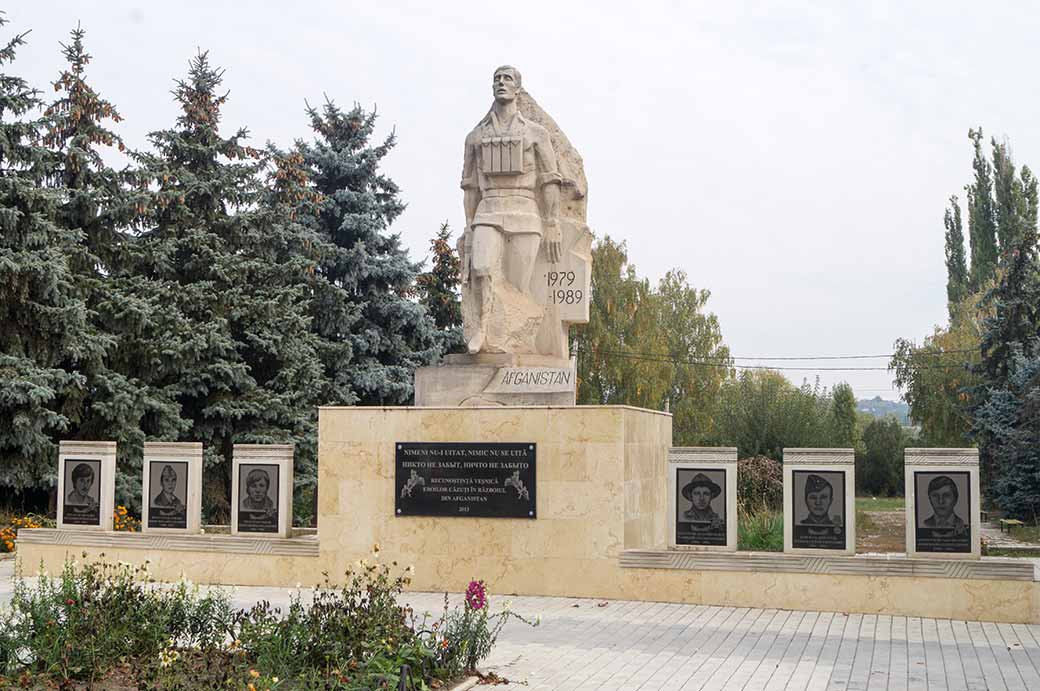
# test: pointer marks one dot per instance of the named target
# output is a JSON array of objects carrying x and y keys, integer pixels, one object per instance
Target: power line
[
  {"x": 809, "y": 357},
  {"x": 660, "y": 357}
]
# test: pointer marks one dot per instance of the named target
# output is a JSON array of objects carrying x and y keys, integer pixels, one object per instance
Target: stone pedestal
[
  {"x": 496, "y": 379},
  {"x": 698, "y": 474},
  {"x": 171, "y": 499},
  {"x": 86, "y": 484},
  {"x": 819, "y": 501},
  {"x": 942, "y": 503},
  {"x": 261, "y": 490}
]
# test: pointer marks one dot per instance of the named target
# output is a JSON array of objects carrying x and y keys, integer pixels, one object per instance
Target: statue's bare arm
[
  {"x": 470, "y": 200},
  {"x": 549, "y": 179}
]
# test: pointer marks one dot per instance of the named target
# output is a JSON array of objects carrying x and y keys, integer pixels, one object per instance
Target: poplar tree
[
  {"x": 982, "y": 222},
  {"x": 372, "y": 335},
  {"x": 1007, "y": 197},
  {"x": 956, "y": 261},
  {"x": 244, "y": 366},
  {"x": 843, "y": 415},
  {"x": 45, "y": 336}
]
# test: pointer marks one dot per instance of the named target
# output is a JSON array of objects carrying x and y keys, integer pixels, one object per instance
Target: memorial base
[{"x": 492, "y": 379}]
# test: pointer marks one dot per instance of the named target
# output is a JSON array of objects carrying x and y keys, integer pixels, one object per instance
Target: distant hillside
[{"x": 879, "y": 407}]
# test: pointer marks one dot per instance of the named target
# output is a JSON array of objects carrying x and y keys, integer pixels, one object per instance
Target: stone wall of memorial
[{"x": 600, "y": 489}]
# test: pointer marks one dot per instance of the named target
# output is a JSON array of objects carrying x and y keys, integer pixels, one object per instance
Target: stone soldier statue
[{"x": 512, "y": 182}]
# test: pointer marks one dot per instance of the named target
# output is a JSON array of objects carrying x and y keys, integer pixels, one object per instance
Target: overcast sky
[{"x": 794, "y": 161}]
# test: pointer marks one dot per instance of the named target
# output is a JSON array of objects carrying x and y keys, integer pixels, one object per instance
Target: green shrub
[
  {"x": 86, "y": 620},
  {"x": 761, "y": 532},
  {"x": 108, "y": 624}
]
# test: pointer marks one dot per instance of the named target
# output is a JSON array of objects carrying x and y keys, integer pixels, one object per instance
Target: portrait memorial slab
[
  {"x": 261, "y": 490},
  {"x": 819, "y": 501},
  {"x": 702, "y": 484},
  {"x": 467, "y": 479},
  {"x": 172, "y": 487},
  {"x": 942, "y": 503},
  {"x": 86, "y": 484}
]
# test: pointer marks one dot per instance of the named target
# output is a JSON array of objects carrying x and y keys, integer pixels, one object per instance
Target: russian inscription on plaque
[
  {"x": 485, "y": 480},
  {"x": 819, "y": 510},
  {"x": 258, "y": 498},
  {"x": 942, "y": 503},
  {"x": 700, "y": 506}
]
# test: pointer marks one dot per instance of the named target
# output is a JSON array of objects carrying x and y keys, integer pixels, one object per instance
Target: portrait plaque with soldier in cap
[
  {"x": 700, "y": 506},
  {"x": 819, "y": 510},
  {"x": 942, "y": 503}
]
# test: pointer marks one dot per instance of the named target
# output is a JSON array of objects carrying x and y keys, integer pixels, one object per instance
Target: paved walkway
[{"x": 616, "y": 645}]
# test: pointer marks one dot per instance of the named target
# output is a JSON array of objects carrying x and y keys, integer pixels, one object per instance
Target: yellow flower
[{"x": 253, "y": 673}]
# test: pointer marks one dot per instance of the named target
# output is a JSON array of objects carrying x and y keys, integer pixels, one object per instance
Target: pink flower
[{"x": 476, "y": 595}]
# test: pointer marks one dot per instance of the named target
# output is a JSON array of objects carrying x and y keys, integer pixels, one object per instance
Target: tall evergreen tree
[
  {"x": 439, "y": 290},
  {"x": 1009, "y": 421},
  {"x": 244, "y": 363},
  {"x": 97, "y": 206},
  {"x": 372, "y": 335},
  {"x": 956, "y": 262},
  {"x": 45, "y": 335},
  {"x": 982, "y": 222},
  {"x": 1011, "y": 337}
]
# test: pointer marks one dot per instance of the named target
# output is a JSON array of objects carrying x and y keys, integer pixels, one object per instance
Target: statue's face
[{"x": 504, "y": 86}]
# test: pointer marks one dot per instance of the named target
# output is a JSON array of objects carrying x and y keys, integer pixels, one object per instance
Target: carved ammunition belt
[{"x": 502, "y": 155}]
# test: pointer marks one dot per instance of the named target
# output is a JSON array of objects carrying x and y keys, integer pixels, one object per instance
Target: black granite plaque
[
  {"x": 258, "y": 498},
  {"x": 168, "y": 486},
  {"x": 819, "y": 509},
  {"x": 81, "y": 504},
  {"x": 700, "y": 506},
  {"x": 942, "y": 511},
  {"x": 465, "y": 479}
]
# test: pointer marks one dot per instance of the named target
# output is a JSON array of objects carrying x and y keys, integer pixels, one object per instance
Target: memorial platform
[{"x": 594, "y": 524}]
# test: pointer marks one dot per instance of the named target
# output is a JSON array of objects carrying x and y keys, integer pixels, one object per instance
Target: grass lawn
[{"x": 880, "y": 503}]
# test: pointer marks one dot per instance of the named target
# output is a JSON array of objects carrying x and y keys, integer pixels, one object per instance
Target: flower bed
[
  {"x": 10, "y": 525},
  {"x": 109, "y": 626}
]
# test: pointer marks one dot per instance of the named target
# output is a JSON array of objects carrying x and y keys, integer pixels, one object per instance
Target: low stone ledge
[
  {"x": 304, "y": 546},
  {"x": 989, "y": 568}
]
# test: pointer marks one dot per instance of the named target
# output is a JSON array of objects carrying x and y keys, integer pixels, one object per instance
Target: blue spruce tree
[
  {"x": 225, "y": 238},
  {"x": 46, "y": 338},
  {"x": 373, "y": 335},
  {"x": 120, "y": 403}
]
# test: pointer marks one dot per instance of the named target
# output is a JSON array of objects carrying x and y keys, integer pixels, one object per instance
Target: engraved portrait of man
[
  {"x": 258, "y": 481},
  {"x": 943, "y": 496},
  {"x": 167, "y": 496},
  {"x": 699, "y": 492},
  {"x": 819, "y": 495},
  {"x": 82, "y": 482}
]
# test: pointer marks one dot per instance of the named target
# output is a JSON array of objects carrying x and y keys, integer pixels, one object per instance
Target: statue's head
[{"x": 505, "y": 83}]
